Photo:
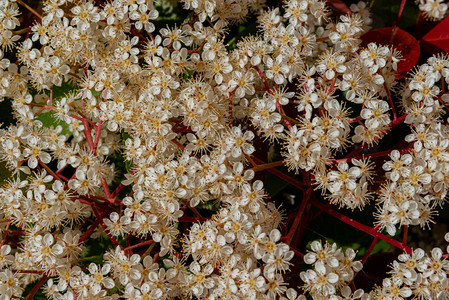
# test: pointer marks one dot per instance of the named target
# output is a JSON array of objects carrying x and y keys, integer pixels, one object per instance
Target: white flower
[
  {"x": 5, "y": 257},
  {"x": 85, "y": 14},
  {"x": 398, "y": 166},
  {"x": 433, "y": 9},
  {"x": 375, "y": 114},
  {"x": 345, "y": 176},
  {"x": 319, "y": 282},
  {"x": 200, "y": 278},
  {"x": 277, "y": 69},
  {"x": 320, "y": 255},
  {"x": 242, "y": 83},
  {"x": 424, "y": 90},
  {"x": 279, "y": 260},
  {"x": 240, "y": 142},
  {"x": 35, "y": 152},
  {"x": 143, "y": 16},
  {"x": 331, "y": 63},
  {"x": 99, "y": 279}
]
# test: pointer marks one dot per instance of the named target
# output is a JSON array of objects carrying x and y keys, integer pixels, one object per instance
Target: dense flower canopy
[{"x": 153, "y": 126}]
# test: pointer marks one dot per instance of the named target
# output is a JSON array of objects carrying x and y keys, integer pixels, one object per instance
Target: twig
[
  {"x": 36, "y": 287},
  {"x": 360, "y": 226},
  {"x": 30, "y": 9}
]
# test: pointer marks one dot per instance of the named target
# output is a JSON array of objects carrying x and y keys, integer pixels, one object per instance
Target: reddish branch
[
  {"x": 372, "y": 155},
  {"x": 283, "y": 176},
  {"x": 307, "y": 195},
  {"x": 97, "y": 136},
  {"x": 99, "y": 217},
  {"x": 360, "y": 226},
  {"x": 89, "y": 231},
  {"x": 36, "y": 287},
  {"x": 139, "y": 245},
  {"x": 370, "y": 249},
  {"x": 268, "y": 89},
  {"x": 30, "y": 9}
]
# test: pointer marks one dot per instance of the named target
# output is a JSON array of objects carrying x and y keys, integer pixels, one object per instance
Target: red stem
[
  {"x": 370, "y": 249},
  {"x": 178, "y": 144},
  {"x": 89, "y": 198},
  {"x": 297, "y": 252},
  {"x": 117, "y": 190},
  {"x": 87, "y": 133},
  {"x": 30, "y": 9},
  {"x": 251, "y": 161},
  {"x": 332, "y": 87},
  {"x": 360, "y": 226},
  {"x": 443, "y": 103},
  {"x": 89, "y": 231},
  {"x": 139, "y": 244},
  {"x": 393, "y": 124},
  {"x": 404, "y": 235},
  {"x": 267, "y": 88},
  {"x": 281, "y": 111},
  {"x": 372, "y": 155},
  {"x": 76, "y": 117},
  {"x": 283, "y": 176},
  {"x": 192, "y": 219},
  {"x": 105, "y": 189},
  {"x": 92, "y": 147},
  {"x": 97, "y": 135},
  {"x": 268, "y": 165},
  {"x": 99, "y": 217},
  {"x": 51, "y": 96},
  {"x": 356, "y": 150},
  {"x": 401, "y": 10},
  {"x": 56, "y": 176},
  {"x": 36, "y": 287},
  {"x": 398, "y": 121},
  {"x": 306, "y": 198},
  {"x": 136, "y": 33},
  {"x": 17, "y": 233},
  {"x": 28, "y": 271},
  {"x": 230, "y": 103}
]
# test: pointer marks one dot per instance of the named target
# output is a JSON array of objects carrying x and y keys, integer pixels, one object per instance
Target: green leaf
[
  {"x": 381, "y": 247},
  {"x": 274, "y": 185},
  {"x": 5, "y": 173},
  {"x": 49, "y": 119},
  {"x": 95, "y": 249},
  {"x": 7, "y": 116},
  {"x": 388, "y": 10},
  {"x": 242, "y": 31},
  {"x": 213, "y": 205},
  {"x": 60, "y": 91}
]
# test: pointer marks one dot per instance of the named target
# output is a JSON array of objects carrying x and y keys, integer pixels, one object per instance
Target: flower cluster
[
  {"x": 433, "y": 10},
  {"x": 416, "y": 181},
  {"x": 143, "y": 142},
  {"x": 332, "y": 270},
  {"x": 417, "y": 275}
]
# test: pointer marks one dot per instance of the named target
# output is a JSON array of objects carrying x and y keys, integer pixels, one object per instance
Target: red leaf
[
  {"x": 423, "y": 26},
  {"x": 339, "y": 6},
  {"x": 437, "y": 40},
  {"x": 400, "y": 40}
]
